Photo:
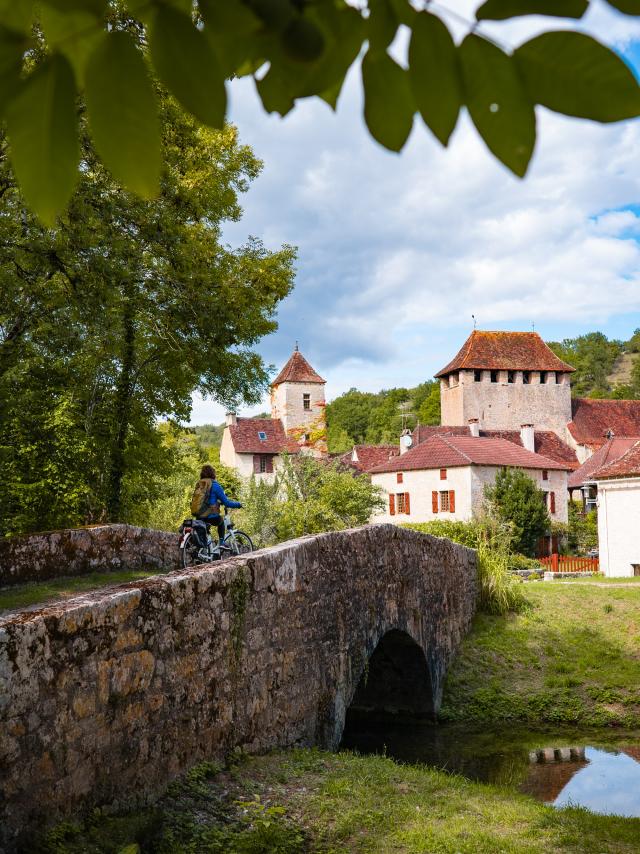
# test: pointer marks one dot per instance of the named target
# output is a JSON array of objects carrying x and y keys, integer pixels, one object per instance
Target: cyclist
[{"x": 210, "y": 512}]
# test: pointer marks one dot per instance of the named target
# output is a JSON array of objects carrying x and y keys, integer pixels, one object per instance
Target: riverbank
[
  {"x": 571, "y": 656},
  {"x": 309, "y": 801}
]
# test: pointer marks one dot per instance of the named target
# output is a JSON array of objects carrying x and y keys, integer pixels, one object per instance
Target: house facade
[
  {"x": 254, "y": 446},
  {"x": 445, "y": 477},
  {"x": 618, "y": 485}
]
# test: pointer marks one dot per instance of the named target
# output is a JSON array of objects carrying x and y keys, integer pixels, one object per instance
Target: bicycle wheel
[
  {"x": 189, "y": 551},
  {"x": 240, "y": 543}
]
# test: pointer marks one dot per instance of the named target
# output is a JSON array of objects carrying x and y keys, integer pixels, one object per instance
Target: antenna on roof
[
  {"x": 296, "y": 348},
  {"x": 474, "y": 320},
  {"x": 533, "y": 326}
]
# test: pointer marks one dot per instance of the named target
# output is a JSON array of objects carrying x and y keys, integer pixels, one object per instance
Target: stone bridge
[{"x": 108, "y": 696}]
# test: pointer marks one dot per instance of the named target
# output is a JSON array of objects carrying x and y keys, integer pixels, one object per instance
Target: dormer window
[
  {"x": 262, "y": 436},
  {"x": 306, "y": 401}
]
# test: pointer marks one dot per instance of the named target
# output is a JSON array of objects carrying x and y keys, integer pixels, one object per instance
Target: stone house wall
[
  {"x": 105, "y": 698},
  {"x": 618, "y": 521}
]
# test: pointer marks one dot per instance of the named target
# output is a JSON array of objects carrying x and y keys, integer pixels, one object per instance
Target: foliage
[
  {"x": 499, "y": 591},
  {"x": 115, "y": 317},
  {"x": 515, "y": 499},
  {"x": 307, "y": 497},
  {"x": 593, "y": 357},
  {"x": 209, "y": 435},
  {"x": 356, "y": 417},
  {"x": 91, "y": 48},
  {"x": 583, "y": 530}
]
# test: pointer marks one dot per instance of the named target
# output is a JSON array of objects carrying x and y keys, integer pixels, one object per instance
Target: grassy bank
[
  {"x": 571, "y": 656},
  {"x": 307, "y": 801}
]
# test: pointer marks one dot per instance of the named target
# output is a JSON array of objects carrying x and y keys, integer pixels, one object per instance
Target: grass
[
  {"x": 56, "y": 589},
  {"x": 309, "y": 801},
  {"x": 571, "y": 656}
]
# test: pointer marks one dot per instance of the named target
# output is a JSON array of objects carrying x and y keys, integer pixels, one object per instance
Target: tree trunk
[{"x": 122, "y": 405}]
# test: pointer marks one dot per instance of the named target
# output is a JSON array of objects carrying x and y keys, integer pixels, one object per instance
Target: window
[
  {"x": 262, "y": 436},
  {"x": 526, "y": 377},
  {"x": 400, "y": 502},
  {"x": 443, "y": 474},
  {"x": 262, "y": 463},
  {"x": 558, "y": 377},
  {"x": 477, "y": 376},
  {"x": 399, "y": 477},
  {"x": 543, "y": 376},
  {"x": 545, "y": 474},
  {"x": 494, "y": 376},
  {"x": 636, "y": 568},
  {"x": 510, "y": 376},
  {"x": 453, "y": 380},
  {"x": 444, "y": 502},
  {"x": 306, "y": 401}
]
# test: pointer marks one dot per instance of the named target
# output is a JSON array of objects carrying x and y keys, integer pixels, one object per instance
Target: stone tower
[
  {"x": 297, "y": 399},
  {"x": 505, "y": 380}
]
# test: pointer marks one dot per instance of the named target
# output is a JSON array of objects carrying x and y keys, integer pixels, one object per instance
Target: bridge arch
[{"x": 396, "y": 681}]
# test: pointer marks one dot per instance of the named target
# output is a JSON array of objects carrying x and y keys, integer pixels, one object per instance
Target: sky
[{"x": 396, "y": 252}]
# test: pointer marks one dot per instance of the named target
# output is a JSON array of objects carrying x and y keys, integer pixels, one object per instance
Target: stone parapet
[
  {"x": 107, "y": 697},
  {"x": 78, "y": 551}
]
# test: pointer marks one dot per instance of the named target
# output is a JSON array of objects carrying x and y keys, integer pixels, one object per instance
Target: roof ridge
[{"x": 453, "y": 447}]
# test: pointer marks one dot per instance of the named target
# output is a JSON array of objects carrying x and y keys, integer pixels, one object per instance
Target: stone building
[
  {"x": 618, "y": 487},
  {"x": 254, "y": 446}
]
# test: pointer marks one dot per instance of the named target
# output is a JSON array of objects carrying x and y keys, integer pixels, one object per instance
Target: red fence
[{"x": 567, "y": 563}]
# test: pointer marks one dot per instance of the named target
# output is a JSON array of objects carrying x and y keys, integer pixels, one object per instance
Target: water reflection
[{"x": 597, "y": 770}]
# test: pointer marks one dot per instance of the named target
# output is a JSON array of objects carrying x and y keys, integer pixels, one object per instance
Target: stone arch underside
[{"x": 396, "y": 682}]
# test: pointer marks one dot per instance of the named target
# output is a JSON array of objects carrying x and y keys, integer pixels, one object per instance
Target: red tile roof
[
  {"x": 245, "y": 438},
  {"x": 592, "y": 419},
  {"x": 612, "y": 450},
  {"x": 452, "y": 451},
  {"x": 546, "y": 442},
  {"x": 509, "y": 351},
  {"x": 297, "y": 370},
  {"x": 369, "y": 456},
  {"x": 628, "y": 465}
]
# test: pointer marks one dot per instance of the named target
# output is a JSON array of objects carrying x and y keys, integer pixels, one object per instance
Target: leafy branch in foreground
[{"x": 109, "y": 51}]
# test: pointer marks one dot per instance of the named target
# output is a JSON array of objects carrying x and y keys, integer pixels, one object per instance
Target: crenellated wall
[{"x": 105, "y": 698}]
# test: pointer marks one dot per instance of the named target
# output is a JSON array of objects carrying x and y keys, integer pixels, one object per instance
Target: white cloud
[{"x": 397, "y": 251}]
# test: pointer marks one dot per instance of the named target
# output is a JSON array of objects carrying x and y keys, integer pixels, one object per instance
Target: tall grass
[{"x": 499, "y": 590}]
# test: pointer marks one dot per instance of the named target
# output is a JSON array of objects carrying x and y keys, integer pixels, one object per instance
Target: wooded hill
[{"x": 604, "y": 368}]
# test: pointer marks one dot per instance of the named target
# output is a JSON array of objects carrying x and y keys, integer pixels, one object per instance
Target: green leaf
[
  {"x": 232, "y": 17},
  {"x": 302, "y": 40},
  {"x": 434, "y": 74},
  {"x": 275, "y": 89},
  {"x": 123, "y": 114},
  {"x": 499, "y": 10},
  {"x": 93, "y": 7},
  {"x": 12, "y": 48},
  {"x": 74, "y": 33},
  {"x": 42, "y": 129},
  {"x": 574, "y": 74},
  {"x": 187, "y": 65},
  {"x": 629, "y": 7},
  {"x": 382, "y": 24},
  {"x": 388, "y": 103},
  {"x": 17, "y": 15},
  {"x": 498, "y": 102}
]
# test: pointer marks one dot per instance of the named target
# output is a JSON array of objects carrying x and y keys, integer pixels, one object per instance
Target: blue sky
[{"x": 396, "y": 252}]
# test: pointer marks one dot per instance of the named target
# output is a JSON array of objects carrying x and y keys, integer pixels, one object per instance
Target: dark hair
[{"x": 208, "y": 471}]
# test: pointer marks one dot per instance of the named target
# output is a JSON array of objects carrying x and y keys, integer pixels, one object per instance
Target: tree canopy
[
  {"x": 113, "y": 319},
  {"x": 293, "y": 49},
  {"x": 514, "y": 498}
]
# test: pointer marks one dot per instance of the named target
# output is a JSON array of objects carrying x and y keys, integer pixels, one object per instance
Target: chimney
[
  {"x": 527, "y": 435},
  {"x": 406, "y": 440},
  {"x": 474, "y": 427},
  {"x": 230, "y": 418}
]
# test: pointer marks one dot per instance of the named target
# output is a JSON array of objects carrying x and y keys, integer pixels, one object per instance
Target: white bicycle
[{"x": 193, "y": 553}]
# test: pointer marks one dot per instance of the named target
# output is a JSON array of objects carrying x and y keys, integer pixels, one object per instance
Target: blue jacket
[{"x": 216, "y": 493}]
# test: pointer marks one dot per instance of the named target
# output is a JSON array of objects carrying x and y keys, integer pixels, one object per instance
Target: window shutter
[
  {"x": 552, "y": 501},
  {"x": 407, "y": 508},
  {"x": 392, "y": 505},
  {"x": 452, "y": 501},
  {"x": 256, "y": 463},
  {"x": 434, "y": 501},
  {"x": 269, "y": 464},
  {"x": 399, "y": 477}
]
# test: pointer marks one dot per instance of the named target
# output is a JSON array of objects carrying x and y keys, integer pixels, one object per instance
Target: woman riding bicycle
[{"x": 213, "y": 497}]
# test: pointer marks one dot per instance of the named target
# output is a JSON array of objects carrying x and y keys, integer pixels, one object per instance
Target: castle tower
[
  {"x": 505, "y": 380},
  {"x": 297, "y": 399}
]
